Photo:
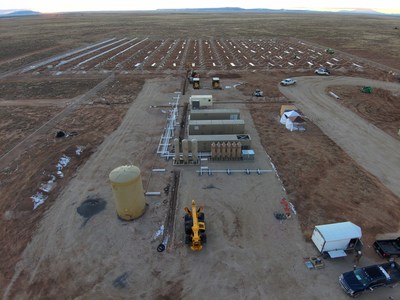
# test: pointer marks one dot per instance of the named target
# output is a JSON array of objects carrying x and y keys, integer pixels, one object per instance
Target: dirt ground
[
  {"x": 22, "y": 177},
  {"x": 244, "y": 238},
  {"x": 329, "y": 173},
  {"x": 370, "y": 36},
  {"x": 380, "y": 108},
  {"x": 323, "y": 182}
]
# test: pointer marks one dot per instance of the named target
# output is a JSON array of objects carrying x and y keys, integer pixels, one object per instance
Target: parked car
[
  {"x": 258, "y": 93},
  {"x": 288, "y": 81},
  {"x": 388, "y": 248},
  {"x": 355, "y": 282},
  {"x": 322, "y": 71}
]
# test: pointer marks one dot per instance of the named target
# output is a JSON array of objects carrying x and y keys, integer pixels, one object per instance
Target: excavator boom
[{"x": 195, "y": 227}]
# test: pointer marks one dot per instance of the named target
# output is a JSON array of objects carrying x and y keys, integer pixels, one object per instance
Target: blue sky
[{"x": 386, "y": 6}]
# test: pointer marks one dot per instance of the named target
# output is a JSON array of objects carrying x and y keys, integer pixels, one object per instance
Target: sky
[{"x": 46, "y": 6}]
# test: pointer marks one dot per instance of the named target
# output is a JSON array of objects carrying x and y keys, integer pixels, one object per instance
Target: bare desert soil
[
  {"x": 379, "y": 108},
  {"x": 110, "y": 83},
  {"x": 22, "y": 177},
  {"x": 326, "y": 185},
  {"x": 369, "y": 36}
]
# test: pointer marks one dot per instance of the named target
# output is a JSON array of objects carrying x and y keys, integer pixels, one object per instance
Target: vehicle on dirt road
[
  {"x": 355, "y": 282},
  {"x": 258, "y": 93},
  {"x": 322, "y": 71},
  {"x": 329, "y": 51},
  {"x": 288, "y": 81},
  {"x": 388, "y": 248}
]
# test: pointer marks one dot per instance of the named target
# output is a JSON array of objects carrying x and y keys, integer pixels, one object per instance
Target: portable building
[
  {"x": 334, "y": 239},
  {"x": 200, "y": 127},
  {"x": 201, "y": 101},
  {"x": 215, "y": 114}
]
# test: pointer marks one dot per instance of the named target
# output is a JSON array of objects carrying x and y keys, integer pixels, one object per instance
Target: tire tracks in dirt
[{"x": 20, "y": 148}]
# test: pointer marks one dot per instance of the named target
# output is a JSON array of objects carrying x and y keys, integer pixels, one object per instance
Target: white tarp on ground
[{"x": 38, "y": 199}]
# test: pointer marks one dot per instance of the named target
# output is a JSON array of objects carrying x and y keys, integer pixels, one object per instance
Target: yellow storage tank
[{"x": 127, "y": 188}]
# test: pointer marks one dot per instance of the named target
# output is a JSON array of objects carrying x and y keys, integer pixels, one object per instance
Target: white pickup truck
[{"x": 288, "y": 81}]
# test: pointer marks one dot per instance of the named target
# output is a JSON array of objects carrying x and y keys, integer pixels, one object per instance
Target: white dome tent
[
  {"x": 287, "y": 114},
  {"x": 292, "y": 120}
]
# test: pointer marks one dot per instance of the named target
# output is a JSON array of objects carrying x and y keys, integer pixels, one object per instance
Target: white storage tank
[
  {"x": 233, "y": 150},
  {"x": 228, "y": 150},
  {"x": 238, "y": 150},
  {"x": 195, "y": 156},
  {"x": 223, "y": 150},
  {"x": 218, "y": 156},
  {"x": 185, "y": 150},
  {"x": 213, "y": 150},
  {"x": 127, "y": 188}
]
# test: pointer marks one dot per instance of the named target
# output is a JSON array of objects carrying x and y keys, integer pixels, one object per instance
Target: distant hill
[
  {"x": 17, "y": 13},
  {"x": 20, "y": 13},
  {"x": 360, "y": 11},
  {"x": 267, "y": 10},
  {"x": 224, "y": 10}
]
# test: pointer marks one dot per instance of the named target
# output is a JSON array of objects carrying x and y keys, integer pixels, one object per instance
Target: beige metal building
[
  {"x": 201, "y": 127},
  {"x": 215, "y": 114}
]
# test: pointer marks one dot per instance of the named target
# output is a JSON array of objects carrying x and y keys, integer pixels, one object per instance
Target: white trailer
[{"x": 332, "y": 240}]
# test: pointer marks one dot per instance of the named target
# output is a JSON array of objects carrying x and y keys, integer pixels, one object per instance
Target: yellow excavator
[{"x": 195, "y": 228}]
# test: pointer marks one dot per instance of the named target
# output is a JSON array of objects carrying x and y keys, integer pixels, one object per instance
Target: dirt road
[{"x": 369, "y": 146}]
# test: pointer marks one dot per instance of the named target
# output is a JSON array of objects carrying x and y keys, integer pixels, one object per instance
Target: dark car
[
  {"x": 388, "y": 248},
  {"x": 369, "y": 278}
]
